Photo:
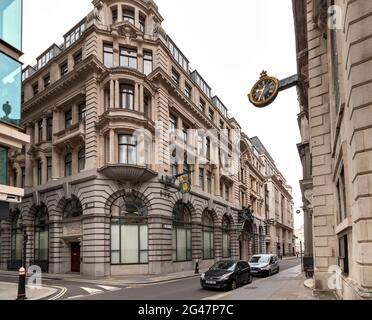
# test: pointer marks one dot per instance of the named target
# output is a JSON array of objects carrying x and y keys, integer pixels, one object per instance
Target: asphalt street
[{"x": 185, "y": 289}]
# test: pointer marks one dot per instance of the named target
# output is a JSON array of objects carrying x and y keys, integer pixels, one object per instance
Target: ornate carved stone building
[
  {"x": 334, "y": 63},
  {"x": 278, "y": 205},
  {"x": 95, "y": 205}
]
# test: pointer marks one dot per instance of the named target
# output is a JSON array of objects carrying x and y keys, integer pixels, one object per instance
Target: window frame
[
  {"x": 127, "y": 95},
  {"x": 68, "y": 164},
  {"x": 128, "y": 58},
  {"x": 81, "y": 160},
  {"x": 126, "y": 146},
  {"x": 108, "y": 52}
]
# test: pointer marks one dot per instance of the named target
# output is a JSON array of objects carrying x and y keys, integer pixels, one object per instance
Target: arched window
[
  {"x": 73, "y": 208},
  {"x": 226, "y": 240},
  {"x": 181, "y": 233},
  {"x": 41, "y": 246},
  {"x": 17, "y": 238},
  {"x": 81, "y": 159},
  {"x": 68, "y": 165},
  {"x": 208, "y": 239},
  {"x": 127, "y": 96},
  {"x": 129, "y": 231}
]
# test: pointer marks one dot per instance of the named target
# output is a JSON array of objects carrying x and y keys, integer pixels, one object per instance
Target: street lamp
[{"x": 22, "y": 270}]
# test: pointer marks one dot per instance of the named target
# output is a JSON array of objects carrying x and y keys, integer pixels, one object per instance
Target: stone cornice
[{"x": 87, "y": 67}]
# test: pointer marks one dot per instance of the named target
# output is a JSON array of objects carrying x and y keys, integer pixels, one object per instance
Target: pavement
[
  {"x": 287, "y": 285},
  {"x": 9, "y": 291}
]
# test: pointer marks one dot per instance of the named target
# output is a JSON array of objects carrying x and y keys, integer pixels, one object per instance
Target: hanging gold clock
[{"x": 264, "y": 91}]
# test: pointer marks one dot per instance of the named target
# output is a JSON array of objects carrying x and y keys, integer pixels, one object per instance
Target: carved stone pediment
[{"x": 127, "y": 30}]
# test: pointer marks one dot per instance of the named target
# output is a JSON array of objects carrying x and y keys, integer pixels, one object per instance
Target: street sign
[{"x": 185, "y": 184}]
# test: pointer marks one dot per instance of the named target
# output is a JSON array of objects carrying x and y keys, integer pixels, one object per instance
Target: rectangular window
[
  {"x": 49, "y": 129},
  {"x": 201, "y": 178},
  {"x": 209, "y": 181},
  {"x": 39, "y": 172},
  {"x": 188, "y": 90},
  {"x": 3, "y": 166},
  {"x": 176, "y": 77},
  {"x": 108, "y": 55},
  {"x": 35, "y": 89},
  {"x": 114, "y": 14},
  {"x": 147, "y": 62},
  {"x": 15, "y": 177},
  {"x": 142, "y": 23},
  {"x": 40, "y": 126},
  {"x": 147, "y": 105},
  {"x": 127, "y": 150},
  {"x": 227, "y": 193},
  {"x": 341, "y": 196},
  {"x": 64, "y": 69},
  {"x": 127, "y": 96},
  {"x": 78, "y": 57},
  {"x": 208, "y": 148},
  {"x": 82, "y": 112},
  {"x": 49, "y": 168},
  {"x": 68, "y": 165},
  {"x": 202, "y": 105},
  {"x": 81, "y": 160},
  {"x": 128, "y": 58},
  {"x": 172, "y": 123},
  {"x": 46, "y": 80},
  {"x": 343, "y": 259},
  {"x": 23, "y": 172},
  {"x": 74, "y": 35},
  {"x": 68, "y": 119},
  {"x": 128, "y": 16},
  {"x": 11, "y": 22},
  {"x": 211, "y": 114}
]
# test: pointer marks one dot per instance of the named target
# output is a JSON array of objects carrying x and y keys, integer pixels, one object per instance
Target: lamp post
[
  {"x": 22, "y": 270},
  {"x": 302, "y": 265}
]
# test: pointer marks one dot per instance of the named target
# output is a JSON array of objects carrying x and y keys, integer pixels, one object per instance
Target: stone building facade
[
  {"x": 278, "y": 205},
  {"x": 98, "y": 200},
  {"x": 334, "y": 61}
]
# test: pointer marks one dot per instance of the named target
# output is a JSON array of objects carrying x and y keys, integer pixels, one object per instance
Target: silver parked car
[{"x": 264, "y": 264}]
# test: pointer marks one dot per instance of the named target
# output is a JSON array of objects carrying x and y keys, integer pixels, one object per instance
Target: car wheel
[
  {"x": 233, "y": 285},
  {"x": 250, "y": 279}
]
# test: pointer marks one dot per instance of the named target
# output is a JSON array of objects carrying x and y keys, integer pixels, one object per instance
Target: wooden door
[{"x": 75, "y": 257}]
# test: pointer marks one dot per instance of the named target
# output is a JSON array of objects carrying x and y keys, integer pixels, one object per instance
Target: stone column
[
  {"x": 75, "y": 113},
  {"x": 36, "y": 132},
  {"x": 112, "y": 95},
  {"x": 44, "y": 138},
  {"x": 120, "y": 13},
  {"x": 117, "y": 94},
  {"x": 112, "y": 146},
  {"x": 141, "y": 99},
  {"x": 136, "y": 94},
  {"x": 28, "y": 163},
  {"x": 217, "y": 179}
]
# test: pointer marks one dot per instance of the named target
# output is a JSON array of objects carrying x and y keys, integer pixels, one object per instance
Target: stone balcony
[
  {"x": 127, "y": 172},
  {"x": 69, "y": 138}
]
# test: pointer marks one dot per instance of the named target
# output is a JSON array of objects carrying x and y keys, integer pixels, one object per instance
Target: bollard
[
  {"x": 22, "y": 284},
  {"x": 197, "y": 266}
]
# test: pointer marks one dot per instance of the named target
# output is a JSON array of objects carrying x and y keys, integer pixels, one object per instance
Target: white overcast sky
[{"x": 229, "y": 46}]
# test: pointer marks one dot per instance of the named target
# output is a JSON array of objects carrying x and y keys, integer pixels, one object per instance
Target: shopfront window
[
  {"x": 10, "y": 90},
  {"x": 41, "y": 234},
  {"x": 181, "y": 233},
  {"x": 129, "y": 231},
  {"x": 3, "y": 166},
  {"x": 11, "y": 22},
  {"x": 208, "y": 236},
  {"x": 226, "y": 243}
]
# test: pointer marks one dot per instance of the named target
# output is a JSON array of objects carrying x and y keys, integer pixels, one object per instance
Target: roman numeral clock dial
[{"x": 264, "y": 91}]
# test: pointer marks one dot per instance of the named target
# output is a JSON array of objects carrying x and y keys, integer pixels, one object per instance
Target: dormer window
[
  {"x": 128, "y": 15},
  {"x": 114, "y": 14},
  {"x": 142, "y": 23}
]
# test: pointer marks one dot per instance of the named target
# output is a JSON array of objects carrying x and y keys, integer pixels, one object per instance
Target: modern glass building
[{"x": 11, "y": 136}]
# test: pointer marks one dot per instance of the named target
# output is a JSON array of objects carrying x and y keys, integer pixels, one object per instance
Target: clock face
[{"x": 264, "y": 91}]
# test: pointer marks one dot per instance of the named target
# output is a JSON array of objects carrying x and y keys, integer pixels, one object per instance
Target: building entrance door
[{"x": 75, "y": 257}]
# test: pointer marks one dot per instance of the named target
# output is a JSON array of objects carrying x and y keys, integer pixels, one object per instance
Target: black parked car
[{"x": 226, "y": 274}]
